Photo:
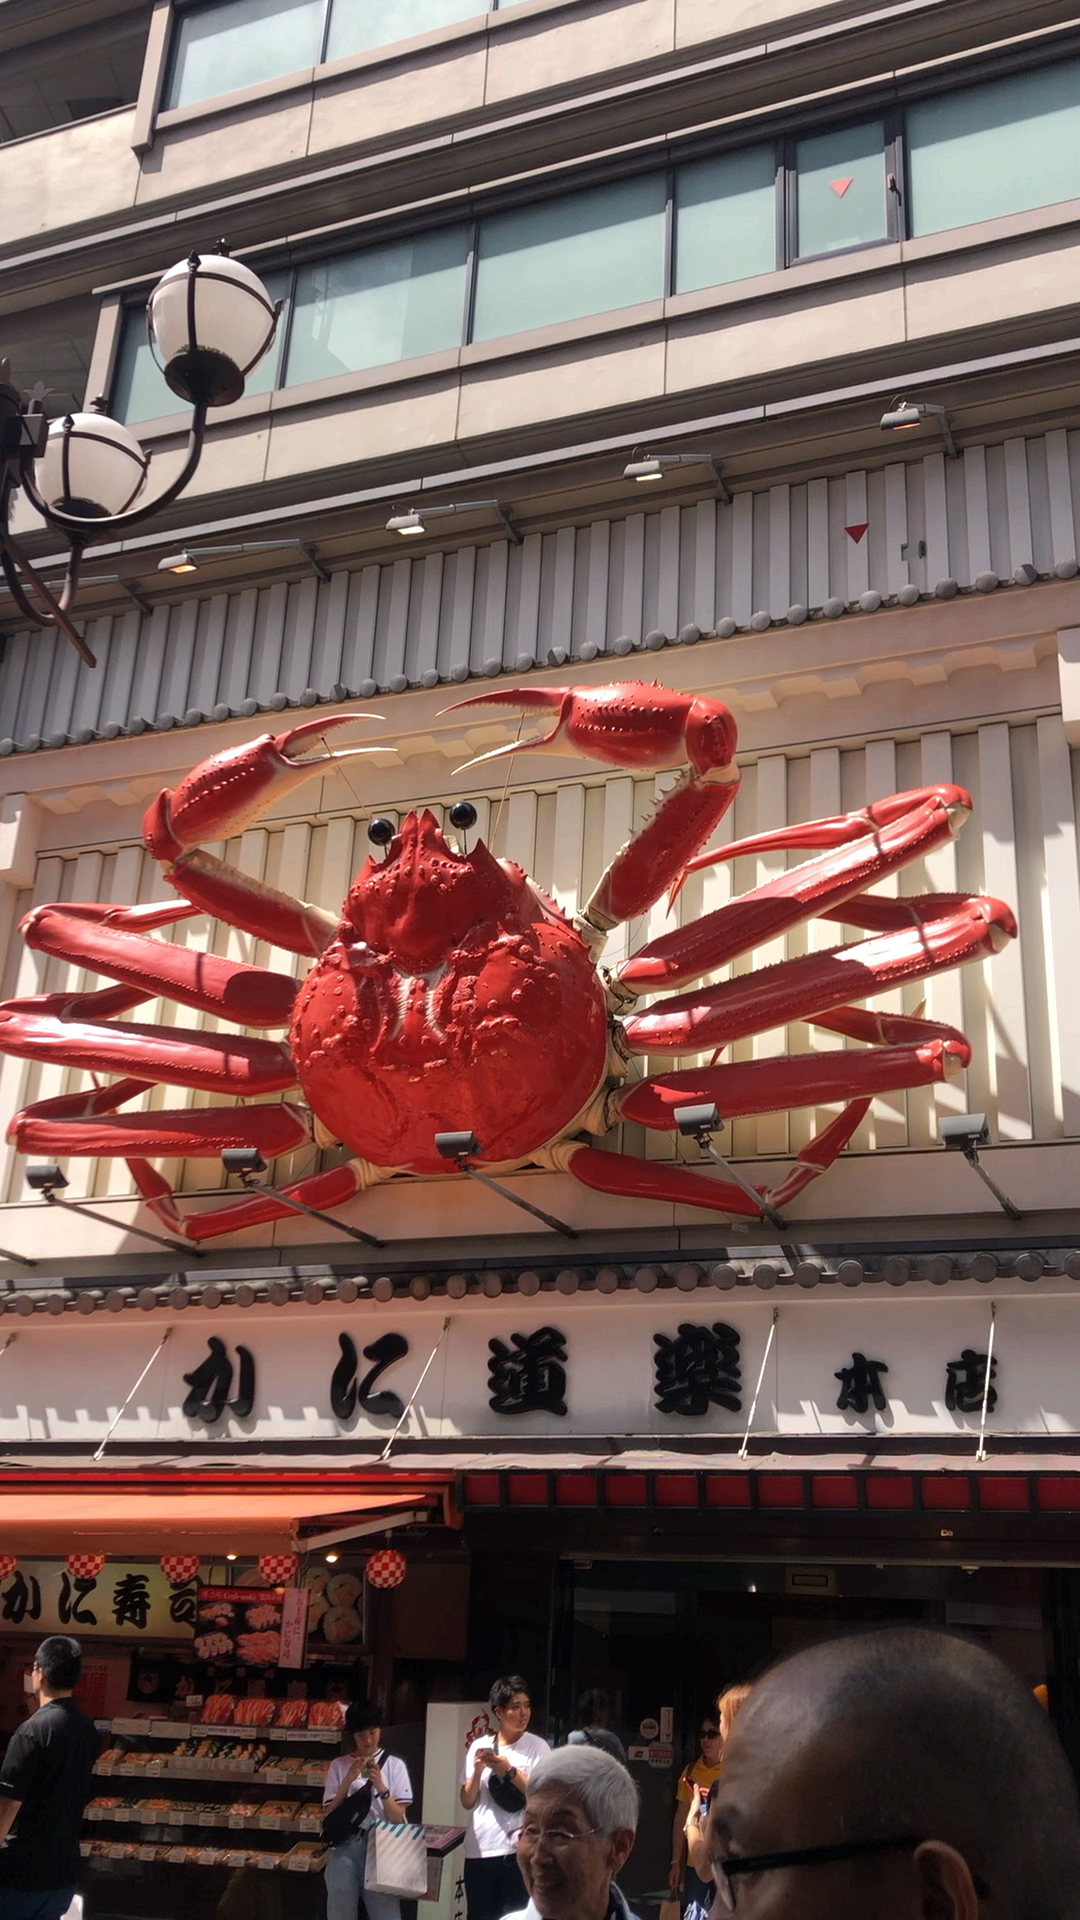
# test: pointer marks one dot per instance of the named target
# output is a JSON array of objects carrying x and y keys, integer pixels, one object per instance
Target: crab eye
[
  {"x": 380, "y": 832},
  {"x": 463, "y": 815}
]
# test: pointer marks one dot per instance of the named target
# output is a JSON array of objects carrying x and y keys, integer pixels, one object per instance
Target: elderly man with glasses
[
  {"x": 578, "y": 1827},
  {"x": 901, "y": 1774}
]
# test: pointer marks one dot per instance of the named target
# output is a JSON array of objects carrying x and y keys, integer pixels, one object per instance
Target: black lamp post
[{"x": 210, "y": 321}]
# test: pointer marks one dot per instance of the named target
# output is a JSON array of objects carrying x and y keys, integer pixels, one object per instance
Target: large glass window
[
  {"x": 840, "y": 188},
  {"x": 356, "y": 25},
  {"x": 388, "y": 303},
  {"x": 139, "y": 391},
  {"x": 239, "y": 44},
  {"x": 997, "y": 149},
  {"x": 725, "y": 214},
  {"x": 585, "y": 253}
]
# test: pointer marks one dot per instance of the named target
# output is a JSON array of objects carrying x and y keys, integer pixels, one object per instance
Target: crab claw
[
  {"x": 628, "y": 724},
  {"x": 230, "y": 791}
]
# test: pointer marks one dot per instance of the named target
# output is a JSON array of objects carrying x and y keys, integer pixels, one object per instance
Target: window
[
  {"x": 139, "y": 391},
  {"x": 725, "y": 213},
  {"x": 840, "y": 189},
  {"x": 996, "y": 149},
  {"x": 387, "y": 303},
  {"x": 585, "y": 253},
  {"x": 240, "y": 43}
]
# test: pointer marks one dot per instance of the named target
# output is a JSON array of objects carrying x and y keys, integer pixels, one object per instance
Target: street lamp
[{"x": 210, "y": 320}]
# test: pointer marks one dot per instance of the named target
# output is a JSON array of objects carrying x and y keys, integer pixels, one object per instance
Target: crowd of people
[{"x": 897, "y": 1774}]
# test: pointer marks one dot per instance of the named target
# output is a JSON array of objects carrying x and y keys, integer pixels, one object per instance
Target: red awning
[{"x": 196, "y": 1519}]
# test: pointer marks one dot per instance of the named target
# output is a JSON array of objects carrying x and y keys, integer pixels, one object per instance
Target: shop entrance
[{"x": 663, "y": 1638}]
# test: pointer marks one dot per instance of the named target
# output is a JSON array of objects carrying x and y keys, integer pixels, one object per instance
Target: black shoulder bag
[
  {"x": 503, "y": 1791},
  {"x": 344, "y": 1821}
]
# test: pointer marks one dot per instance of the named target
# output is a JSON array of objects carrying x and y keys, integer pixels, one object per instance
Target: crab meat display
[{"x": 453, "y": 994}]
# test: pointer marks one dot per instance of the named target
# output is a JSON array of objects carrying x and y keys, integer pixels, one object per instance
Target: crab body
[
  {"x": 454, "y": 996},
  {"x": 450, "y": 995}
]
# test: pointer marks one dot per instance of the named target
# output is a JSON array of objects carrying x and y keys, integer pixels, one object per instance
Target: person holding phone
[
  {"x": 690, "y": 1795},
  {"x": 363, "y": 1784},
  {"x": 696, "y": 1786},
  {"x": 497, "y": 1767}
]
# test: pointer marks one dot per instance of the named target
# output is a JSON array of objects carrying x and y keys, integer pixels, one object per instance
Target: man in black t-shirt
[{"x": 45, "y": 1783}]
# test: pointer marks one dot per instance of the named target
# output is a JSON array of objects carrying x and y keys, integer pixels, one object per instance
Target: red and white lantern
[
  {"x": 278, "y": 1569},
  {"x": 8, "y": 1564},
  {"x": 179, "y": 1568},
  {"x": 387, "y": 1568},
  {"x": 85, "y": 1566}
]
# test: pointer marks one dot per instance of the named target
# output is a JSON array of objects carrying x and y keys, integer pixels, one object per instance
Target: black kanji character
[
  {"x": 184, "y": 1604},
  {"x": 698, "y": 1369},
  {"x": 131, "y": 1601},
  {"x": 75, "y": 1590},
  {"x": 211, "y": 1381},
  {"x": 860, "y": 1384},
  {"x": 531, "y": 1379},
  {"x": 965, "y": 1383},
  {"x": 346, "y": 1395},
  {"x": 22, "y": 1601}
]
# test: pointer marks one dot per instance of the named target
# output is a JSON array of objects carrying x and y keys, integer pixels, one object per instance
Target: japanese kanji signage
[
  {"x": 41, "y": 1597},
  {"x": 662, "y": 1364}
]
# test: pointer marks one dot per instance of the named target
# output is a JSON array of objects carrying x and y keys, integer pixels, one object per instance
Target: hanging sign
[
  {"x": 294, "y": 1621},
  {"x": 245, "y": 1624},
  {"x": 124, "y": 1597}
]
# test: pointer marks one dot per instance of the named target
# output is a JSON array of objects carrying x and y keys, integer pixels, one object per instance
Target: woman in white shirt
[
  {"x": 379, "y": 1784},
  {"x": 493, "y": 1883}
]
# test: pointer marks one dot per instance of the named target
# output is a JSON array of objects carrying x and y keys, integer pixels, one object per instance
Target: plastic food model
[{"x": 453, "y": 995}]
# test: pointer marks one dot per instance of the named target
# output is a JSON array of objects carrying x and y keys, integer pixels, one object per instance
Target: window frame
[{"x": 896, "y": 221}]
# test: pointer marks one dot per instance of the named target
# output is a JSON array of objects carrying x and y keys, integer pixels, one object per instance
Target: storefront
[{"x": 650, "y": 1480}]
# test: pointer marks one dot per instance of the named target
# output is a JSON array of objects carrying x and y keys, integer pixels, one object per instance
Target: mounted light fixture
[
  {"x": 189, "y": 558},
  {"x": 46, "y": 1178},
  {"x": 462, "y": 1149},
  {"x": 965, "y": 1133},
  {"x": 413, "y": 521},
  {"x": 648, "y": 467},
  {"x": 210, "y": 320},
  {"x": 248, "y": 1161},
  {"x": 904, "y": 414},
  {"x": 700, "y": 1123}
]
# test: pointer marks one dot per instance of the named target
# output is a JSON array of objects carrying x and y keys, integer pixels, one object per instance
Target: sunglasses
[{"x": 708, "y": 1733}]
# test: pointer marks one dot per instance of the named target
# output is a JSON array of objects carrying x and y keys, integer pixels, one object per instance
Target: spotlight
[
  {"x": 230, "y": 1556},
  {"x": 965, "y": 1133},
  {"x": 181, "y": 562},
  {"x": 700, "y": 1123},
  {"x": 188, "y": 559},
  {"x": 248, "y": 1161},
  {"x": 462, "y": 1149},
  {"x": 47, "y": 1179},
  {"x": 407, "y": 524},
  {"x": 332, "y": 1559},
  {"x": 413, "y": 522},
  {"x": 648, "y": 467},
  {"x": 904, "y": 414}
]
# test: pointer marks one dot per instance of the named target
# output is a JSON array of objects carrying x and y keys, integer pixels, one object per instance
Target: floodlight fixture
[
  {"x": 189, "y": 558},
  {"x": 248, "y": 1163},
  {"x": 647, "y": 467},
  {"x": 414, "y": 521},
  {"x": 903, "y": 414},
  {"x": 462, "y": 1148},
  {"x": 46, "y": 1178},
  {"x": 965, "y": 1133},
  {"x": 699, "y": 1122}
]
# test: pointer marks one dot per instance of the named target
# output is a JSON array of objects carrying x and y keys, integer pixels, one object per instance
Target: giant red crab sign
[{"x": 453, "y": 994}]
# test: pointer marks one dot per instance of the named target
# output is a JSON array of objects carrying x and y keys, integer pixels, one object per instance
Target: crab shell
[{"x": 455, "y": 997}]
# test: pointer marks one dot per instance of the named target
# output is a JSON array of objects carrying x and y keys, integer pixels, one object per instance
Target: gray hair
[{"x": 607, "y": 1793}]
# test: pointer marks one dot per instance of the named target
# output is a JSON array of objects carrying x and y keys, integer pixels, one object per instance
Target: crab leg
[
  {"x": 223, "y": 796},
  {"x": 218, "y": 1063},
  {"x": 904, "y": 828},
  {"x": 637, "y": 726},
  {"x": 322, "y": 1190},
  {"x": 817, "y": 982},
  {"x": 97, "y": 936},
  {"x": 83, "y": 1124}
]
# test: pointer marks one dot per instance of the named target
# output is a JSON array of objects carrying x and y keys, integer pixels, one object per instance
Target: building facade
[{"x": 520, "y": 252}]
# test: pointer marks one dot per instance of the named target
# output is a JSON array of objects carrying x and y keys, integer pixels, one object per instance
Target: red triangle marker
[
  {"x": 856, "y": 533},
  {"x": 840, "y": 187}
]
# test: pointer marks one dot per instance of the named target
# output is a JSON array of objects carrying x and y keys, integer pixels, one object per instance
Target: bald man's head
[{"x": 894, "y": 1733}]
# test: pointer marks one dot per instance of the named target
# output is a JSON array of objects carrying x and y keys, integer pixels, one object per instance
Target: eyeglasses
[
  {"x": 709, "y": 1733},
  {"x": 558, "y": 1838},
  {"x": 725, "y": 1869}
]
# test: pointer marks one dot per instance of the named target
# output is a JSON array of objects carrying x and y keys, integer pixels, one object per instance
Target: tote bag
[{"x": 396, "y": 1860}]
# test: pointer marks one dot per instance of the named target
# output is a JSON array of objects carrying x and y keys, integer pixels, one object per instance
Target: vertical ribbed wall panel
[
  {"x": 1021, "y": 843},
  {"x": 600, "y": 587}
]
